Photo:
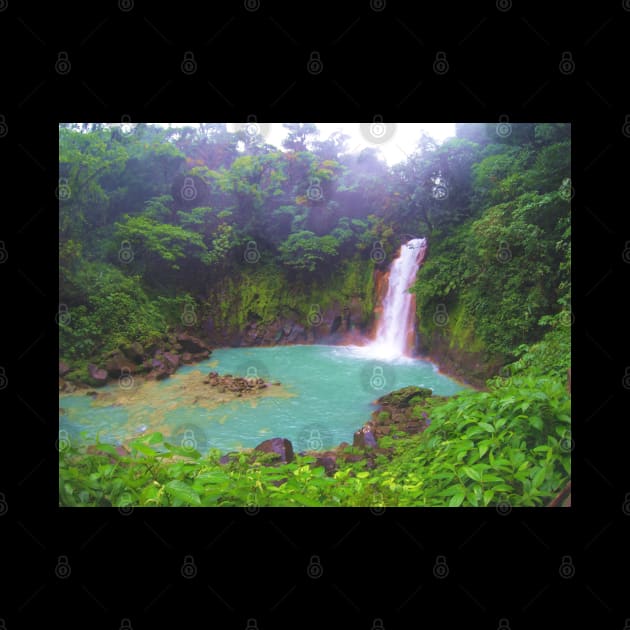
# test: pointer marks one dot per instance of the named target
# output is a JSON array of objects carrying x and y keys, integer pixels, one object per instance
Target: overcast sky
[{"x": 395, "y": 142}]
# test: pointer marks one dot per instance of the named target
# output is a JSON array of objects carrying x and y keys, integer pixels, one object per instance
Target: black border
[{"x": 500, "y": 63}]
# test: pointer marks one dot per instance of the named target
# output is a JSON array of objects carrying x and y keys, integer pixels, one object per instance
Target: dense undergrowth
[{"x": 509, "y": 445}]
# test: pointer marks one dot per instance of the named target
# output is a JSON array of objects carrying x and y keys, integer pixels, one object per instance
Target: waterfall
[{"x": 395, "y": 327}]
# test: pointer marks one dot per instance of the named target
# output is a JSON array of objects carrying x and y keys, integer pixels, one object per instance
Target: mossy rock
[
  {"x": 78, "y": 373},
  {"x": 403, "y": 397}
]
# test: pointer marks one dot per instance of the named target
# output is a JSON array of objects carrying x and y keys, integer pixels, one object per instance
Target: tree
[
  {"x": 86, "y": 160},
  {"x": 306, "y": 251},
  {"x": 299, "y": 136},
  {"x": 333, "y": 147}
]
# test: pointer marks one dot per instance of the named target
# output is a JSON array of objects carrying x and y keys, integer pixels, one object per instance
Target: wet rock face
[
  {"x": 280, "y": 446},
  {"x": 193, "y": 345}
]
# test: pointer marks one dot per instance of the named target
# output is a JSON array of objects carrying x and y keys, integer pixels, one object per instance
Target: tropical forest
[{"x": 314, "y": 315}]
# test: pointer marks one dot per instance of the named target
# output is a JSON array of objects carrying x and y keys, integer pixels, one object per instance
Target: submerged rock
[
  {"x": 237, "y": 384},
  {"x": 280, "y": 446}
]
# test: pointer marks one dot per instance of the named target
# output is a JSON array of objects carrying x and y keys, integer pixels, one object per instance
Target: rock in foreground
[{"x": 280, "y": 446}]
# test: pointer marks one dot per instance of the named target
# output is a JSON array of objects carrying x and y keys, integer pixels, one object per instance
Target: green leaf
[
  {"x": 541, "y": 449},
  {"x": 472, "y": 473},
  {"x": 456, "y": 500},
  {"x": 184, "y": 452},
  {"x": 499, "y": 422},
  {"x": 488, "y": 495},
  {"x": 539, "y": 477},
  {"x": 142, "y": 448},
  {"x": 491, "y": 478},
  {"x": 302, "y": 499},
  {"x": 363, "y": 475},
  {"x": 536, "y": 422},
  {"x": 182, "y": 491},
  {"x": 451, "y": 491},
  {"x": 487, "y": 426},
  {"x": 155, "y": 438}
]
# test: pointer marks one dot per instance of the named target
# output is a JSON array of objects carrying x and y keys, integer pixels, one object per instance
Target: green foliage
[
  {"x": 305, "y": 250},
  {"x": 503, "y": 269},
  {"x": 496, "y": 209},
  {"x": 169, "y": 243},
  {"x": 510, "y": 444},
  {"x": 552, "y": 354},
  {"x": 265, "y": 291},
  {"x": 116, "y": 310}
]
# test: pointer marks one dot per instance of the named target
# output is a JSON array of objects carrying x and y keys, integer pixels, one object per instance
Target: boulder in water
[
  {"x": 98, "y": 375},
  {"x": 402, "y": 397},
  {"x": 194, "y": 345},
  {"x": 117, "y": 363},
  {"x": 280, "y": 446}
]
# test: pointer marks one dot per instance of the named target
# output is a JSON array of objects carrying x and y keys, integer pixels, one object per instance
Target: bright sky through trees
[
  {"x": 403, "y": 141},
  {"x": 396, "y": 148}
]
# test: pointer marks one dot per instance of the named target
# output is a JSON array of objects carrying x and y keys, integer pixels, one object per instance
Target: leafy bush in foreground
[{"x": 508, "y": 445}]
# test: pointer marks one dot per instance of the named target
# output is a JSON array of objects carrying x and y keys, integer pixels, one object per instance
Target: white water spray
[{"x": 395, "y": 329}]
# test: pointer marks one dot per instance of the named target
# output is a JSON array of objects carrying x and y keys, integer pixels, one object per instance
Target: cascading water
[{"x": 395, "y": 328}]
